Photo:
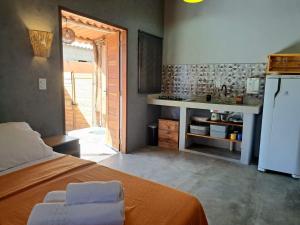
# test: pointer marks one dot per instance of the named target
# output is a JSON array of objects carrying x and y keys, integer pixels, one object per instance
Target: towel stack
[{"x": 92, "y": 203}]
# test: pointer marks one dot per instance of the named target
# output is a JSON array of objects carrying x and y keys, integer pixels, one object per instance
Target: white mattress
[{"x": 54, "y": 156}]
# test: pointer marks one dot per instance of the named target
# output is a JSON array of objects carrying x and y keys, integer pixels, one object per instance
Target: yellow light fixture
[
  {"x": 193, "y": 1},
  {"x": 41, "y": 42}
]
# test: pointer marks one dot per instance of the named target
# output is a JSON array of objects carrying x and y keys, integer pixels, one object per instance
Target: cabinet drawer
[
  {"x": 168, "y": 139},
  {"x": 168, "y": 145},
  {"x": 170, "y": 125},
  {"x": 171, "y": 136}
]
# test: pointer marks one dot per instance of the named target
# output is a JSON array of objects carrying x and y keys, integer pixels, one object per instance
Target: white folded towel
[
  {"x": 85, "y": 214},
  {"x": 55, "y": 196},
  {"x": 94, "y": 192}
]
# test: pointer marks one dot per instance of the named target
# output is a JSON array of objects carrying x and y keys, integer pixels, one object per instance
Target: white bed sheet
[{"x": 54, "y": 156}]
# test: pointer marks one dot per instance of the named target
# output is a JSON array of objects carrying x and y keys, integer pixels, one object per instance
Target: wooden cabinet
[
  {"x": 284, "y": 64},
  {"x": 168, "y": 134}
]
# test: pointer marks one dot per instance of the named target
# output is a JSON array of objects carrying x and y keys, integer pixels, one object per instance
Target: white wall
[
  {"x": 230, "y": 31},
  {"x": 71, "y": 53}
]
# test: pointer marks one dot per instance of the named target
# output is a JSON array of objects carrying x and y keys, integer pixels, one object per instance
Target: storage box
[
  {"x": 218, "y": 131},
  {"x": 220, "y": 128},
  {"x": 199, "y": 129},
  {"x": 218, "y": 134}
]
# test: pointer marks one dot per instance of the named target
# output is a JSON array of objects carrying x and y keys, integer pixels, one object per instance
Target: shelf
[
  {"x": 222, "y": 123},
  {"x": 214, "y": 138},
  {"x": 219, "y": 153}
]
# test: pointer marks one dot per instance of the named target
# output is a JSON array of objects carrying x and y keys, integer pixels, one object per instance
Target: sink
[
  {"x": 224, "y": 101},
  {"x": 197, "y": 99}
]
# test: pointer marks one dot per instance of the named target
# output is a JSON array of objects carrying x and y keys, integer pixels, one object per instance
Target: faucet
[{"x": 225, "y": 89}]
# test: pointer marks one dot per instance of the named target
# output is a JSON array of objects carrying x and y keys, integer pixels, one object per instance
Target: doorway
[{"x": 94, "y": 63}]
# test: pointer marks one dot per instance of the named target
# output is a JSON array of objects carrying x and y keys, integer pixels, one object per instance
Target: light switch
[
  {"x": 42, "y": 84},
  {"x": 218, "y": 83},
  {"x": 253, "y": 85}
]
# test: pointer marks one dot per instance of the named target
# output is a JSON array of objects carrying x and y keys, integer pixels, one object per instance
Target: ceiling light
[
  {"x": 68, "y": 35},
  {"x": 193, "y": 1}
]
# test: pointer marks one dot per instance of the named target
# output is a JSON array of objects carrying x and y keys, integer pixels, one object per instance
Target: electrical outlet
[
  {"x": 253, "y": 85},
  {"x": 218, "y": 83},
  {"x": 42, "y": 84}
]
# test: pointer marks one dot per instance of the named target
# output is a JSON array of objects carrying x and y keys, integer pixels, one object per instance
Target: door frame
[{"x": 122, "y": 78}]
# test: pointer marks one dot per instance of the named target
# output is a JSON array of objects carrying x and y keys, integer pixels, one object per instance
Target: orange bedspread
[{"x": 147, "y": 203}]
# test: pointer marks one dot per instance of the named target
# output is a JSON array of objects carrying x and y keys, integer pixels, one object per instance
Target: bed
[{"x": 146, "y": 202}]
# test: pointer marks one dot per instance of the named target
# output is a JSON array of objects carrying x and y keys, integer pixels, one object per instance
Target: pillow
[
  {"x": 19, "y": 146},
  {"x": 19, "y": 125}
]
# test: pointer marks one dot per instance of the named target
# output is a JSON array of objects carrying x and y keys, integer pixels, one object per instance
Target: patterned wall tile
[{"x": 202, "y": 79}]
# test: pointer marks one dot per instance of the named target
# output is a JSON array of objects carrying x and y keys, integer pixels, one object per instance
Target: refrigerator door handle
[{"x": 278, "y": 90}]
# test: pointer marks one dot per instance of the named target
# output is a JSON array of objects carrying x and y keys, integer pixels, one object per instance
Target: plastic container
[
  {"x": 233, "y": 136},
  {"x": 218, "y": 131},
  {"x": 153, "y": 134},
  {"x": 240, "y": 137},
  {"x": 198, "y": 129},
  {"x": 218, "y": 134},
  {"x": 219, "y": 128}
]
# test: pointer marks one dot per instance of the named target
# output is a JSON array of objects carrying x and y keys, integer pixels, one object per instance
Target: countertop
[{"x": 200, "y": 103}]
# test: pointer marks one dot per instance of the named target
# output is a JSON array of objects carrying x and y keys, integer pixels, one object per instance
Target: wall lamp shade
[
  {"x": 193, "y": 1},
  {"x": 41, "y": 42}
]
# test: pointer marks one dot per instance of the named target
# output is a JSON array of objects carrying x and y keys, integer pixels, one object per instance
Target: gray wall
[
  {"x": 230, "y": 31},
  {"x": 20, "y": 98}
]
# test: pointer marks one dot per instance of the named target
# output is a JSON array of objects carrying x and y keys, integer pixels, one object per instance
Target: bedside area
[{"x": 64, "y": 144}]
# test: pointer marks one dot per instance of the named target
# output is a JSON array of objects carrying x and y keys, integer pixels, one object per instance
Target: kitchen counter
[
  {"x": 200, "y": 103},
  {"x": 249, "y": 110}
]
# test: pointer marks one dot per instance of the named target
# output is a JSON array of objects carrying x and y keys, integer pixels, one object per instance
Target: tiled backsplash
[{"x": 201, "y": 79}]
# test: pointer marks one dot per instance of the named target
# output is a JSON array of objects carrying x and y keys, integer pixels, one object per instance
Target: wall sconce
[{"x": 41, "y": 42}]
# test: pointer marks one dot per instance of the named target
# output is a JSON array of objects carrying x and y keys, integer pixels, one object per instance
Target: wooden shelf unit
[
  {"x": 216, "y": 152},
  {"x": 284, "y": 64},
  {"x": 210, "y": 137},
  {"x": 222, "y": 123}
]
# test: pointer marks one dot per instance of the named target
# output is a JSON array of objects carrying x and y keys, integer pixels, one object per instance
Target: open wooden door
[
  {"x": 112, "y": 134},
  {"x": 78, "y": 90}
]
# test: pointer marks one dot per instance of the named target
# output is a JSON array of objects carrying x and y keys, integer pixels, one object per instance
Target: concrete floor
[
  {"x": 231, "y": 194},
  {"x": 92, "y": 144}
]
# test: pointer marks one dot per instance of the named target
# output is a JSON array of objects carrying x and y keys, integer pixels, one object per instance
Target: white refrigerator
[{"x": 280, "y": 137}]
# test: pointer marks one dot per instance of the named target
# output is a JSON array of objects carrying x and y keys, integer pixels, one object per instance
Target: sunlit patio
[{"x": 92, "y": 144}]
